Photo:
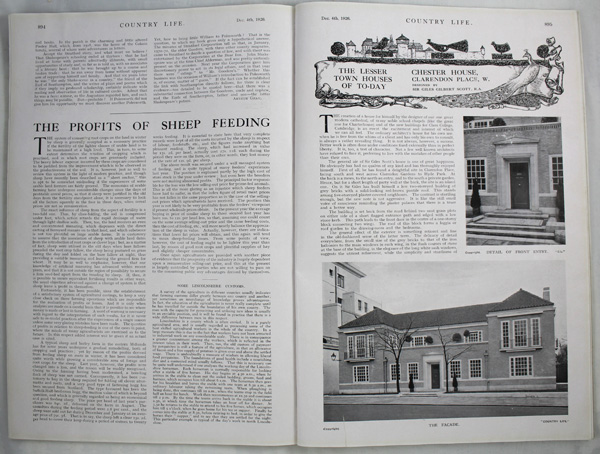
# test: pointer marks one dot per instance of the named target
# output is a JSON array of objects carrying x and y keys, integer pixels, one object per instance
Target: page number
[
  {"x": 41, "y": 27},
  {"x": 548, "y": 24}
]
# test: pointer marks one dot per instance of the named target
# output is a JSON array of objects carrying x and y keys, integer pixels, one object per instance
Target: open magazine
[{"x": 327, "y": 225}]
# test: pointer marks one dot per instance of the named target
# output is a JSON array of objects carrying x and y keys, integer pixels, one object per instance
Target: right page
[{"x": 442, "y": 238}]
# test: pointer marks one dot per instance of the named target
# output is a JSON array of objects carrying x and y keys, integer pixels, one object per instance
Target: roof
[
  {"x": 350, "y": 44},
  {"x": 402, "y": 38},
  {"x": 521, "y": 300},
  {"x": 350, "y": 268},
  {"x": 450, "y": 316}
]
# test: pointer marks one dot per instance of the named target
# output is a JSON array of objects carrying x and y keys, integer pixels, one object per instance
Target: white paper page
[
  {"x": 399, "y": 110},
  {"x": 150, "y": 259}
]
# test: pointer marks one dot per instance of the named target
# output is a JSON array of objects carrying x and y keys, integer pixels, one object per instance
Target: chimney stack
[{"x": 546, "y": 293}]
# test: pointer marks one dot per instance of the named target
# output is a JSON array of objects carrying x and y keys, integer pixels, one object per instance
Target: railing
[
  {"x": 332, "y": 341},
  {"x": 359, "y": 355},
  {"x": 515, "y": 343}
]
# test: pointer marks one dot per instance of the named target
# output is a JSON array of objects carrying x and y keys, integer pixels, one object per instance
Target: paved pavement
[{"x": 522, "y": 399}]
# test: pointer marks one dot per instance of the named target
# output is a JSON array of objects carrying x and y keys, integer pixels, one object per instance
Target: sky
[{"x": 416, "y": 286}]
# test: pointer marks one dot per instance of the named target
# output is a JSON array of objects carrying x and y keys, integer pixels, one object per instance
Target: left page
[{"x": 150, "y": 226}]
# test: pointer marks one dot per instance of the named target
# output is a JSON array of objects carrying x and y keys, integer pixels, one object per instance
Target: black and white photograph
[
  {"x": 514, "y": 181},
  {"x": 435, "y": 340}
]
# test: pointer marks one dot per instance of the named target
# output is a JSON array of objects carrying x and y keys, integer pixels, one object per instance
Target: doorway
[
  {"x": 435, "y": 376},
  {"x": 519, "y": 185}
]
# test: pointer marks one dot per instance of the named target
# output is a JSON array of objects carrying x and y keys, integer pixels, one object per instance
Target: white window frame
[
  {"x": 473, "y": 361},
  {"x": 551, "y": 171},
  {"x": 366, "y": 307},
  {"x": 450, "y": 367},
  {"x": 370, "y": 346},
  {"x": 359, "y": 305},
  {"x": 476, "y": 124},
  {"x": 536, "y": 338},
  {"x": 351, "y": 351},
  {"x": 505, "y": 334},
  {"x": 485, "y": 172},
  {"x": 413, "y": 342},
  {"x": 409, "y": 372},
  {"x": 525, "y": 331},
  {"x": 479, "y": 336},
  {"x": 512, "y": 369},
  {"x": 362, "y": 339},
  {"x": 355, "y": 375},
  {"x": 340, "y": 280}
]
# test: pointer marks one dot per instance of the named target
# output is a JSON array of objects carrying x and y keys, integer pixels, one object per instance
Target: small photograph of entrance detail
[{"x": 514, "y": 181}]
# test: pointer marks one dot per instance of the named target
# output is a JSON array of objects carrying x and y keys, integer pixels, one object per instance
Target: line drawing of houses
[{"x": 402, "y": 47}]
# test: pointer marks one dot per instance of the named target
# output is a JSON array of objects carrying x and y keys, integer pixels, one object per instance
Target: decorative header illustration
[{"x": 398, "y": 71}]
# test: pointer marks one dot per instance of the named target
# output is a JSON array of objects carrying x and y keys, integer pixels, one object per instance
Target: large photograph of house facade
[
  {"x": 475, "y": 342},
  {"x": 514, "y": 180},
  {"x": 507, "y": 345}
]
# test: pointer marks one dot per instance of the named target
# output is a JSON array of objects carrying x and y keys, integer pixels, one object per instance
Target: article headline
[
  {"x": 236, "y": 122},
  {"x": 114, "y": 126}
]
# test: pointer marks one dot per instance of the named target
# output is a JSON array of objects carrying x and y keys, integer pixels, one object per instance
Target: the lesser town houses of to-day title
[{"x": 498, "y": 346}]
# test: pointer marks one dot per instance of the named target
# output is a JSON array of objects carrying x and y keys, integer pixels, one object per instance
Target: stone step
[
  {"x": 421, "y": 394},
  {"x": 490, "y": 225},
  {"x": 509, "y": 239},
  {"x": 511, "y": 233},
  {"x": 532, "y": 215}
]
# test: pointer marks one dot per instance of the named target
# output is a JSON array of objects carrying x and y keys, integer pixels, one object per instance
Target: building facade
[
  {"x": 342, "y": 303},
  {"x": 505, "y": 346},
  {"x": 517, "y": 162}
]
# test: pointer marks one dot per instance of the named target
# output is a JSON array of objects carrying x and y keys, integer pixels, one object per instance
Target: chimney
[{"x": 546, "y": 293}]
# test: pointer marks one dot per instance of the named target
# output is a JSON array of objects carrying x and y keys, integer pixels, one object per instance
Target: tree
[
  {"x": 382, "y": 44},
  {"x": 452, "y": 348},
  {"x": 562, "y": 363},
  {"x": 338, "y": 48},
  {"x": 392, "y": 340},
  {"x": 498, "y": 122},
  {"x": 560, "y": 201}
]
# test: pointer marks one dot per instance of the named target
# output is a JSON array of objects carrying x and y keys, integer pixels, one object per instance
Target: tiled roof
[
  {"x": 450, "y": 316},
  {"x": 521, "y": 300}
]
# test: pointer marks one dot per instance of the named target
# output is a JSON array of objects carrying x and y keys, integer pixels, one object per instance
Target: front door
[
  {"x": 519, "y": 185},
  {"x": 435, "y": 376}
]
